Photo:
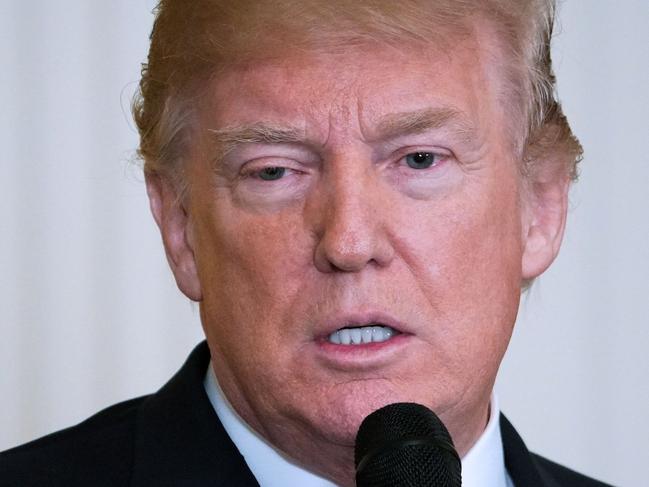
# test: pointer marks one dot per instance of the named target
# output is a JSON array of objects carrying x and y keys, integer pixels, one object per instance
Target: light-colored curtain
[{"x": 89, "y": 312}]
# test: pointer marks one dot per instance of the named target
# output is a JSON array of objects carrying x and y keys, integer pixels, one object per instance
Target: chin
[{"x": 341, "y": 412}]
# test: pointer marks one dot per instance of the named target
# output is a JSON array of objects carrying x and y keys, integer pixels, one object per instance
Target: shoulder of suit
[
  {"x": 557, "y": 475},
  {"x": 97, "y": 452}
]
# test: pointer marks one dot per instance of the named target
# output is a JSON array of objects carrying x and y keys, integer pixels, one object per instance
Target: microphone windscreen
[{"x": 405, "y": 444}]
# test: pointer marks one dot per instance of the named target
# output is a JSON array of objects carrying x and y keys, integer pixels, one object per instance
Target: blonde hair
[{"x": 192, "y": 41}]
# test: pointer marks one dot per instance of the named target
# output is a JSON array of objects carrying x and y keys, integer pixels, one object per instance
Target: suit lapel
[
  {"x": 519, "y": 462},
  {"x": 180, "y": 440}
]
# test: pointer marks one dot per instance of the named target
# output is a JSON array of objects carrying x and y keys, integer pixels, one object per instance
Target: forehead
[{"x": 367, "y": 87}]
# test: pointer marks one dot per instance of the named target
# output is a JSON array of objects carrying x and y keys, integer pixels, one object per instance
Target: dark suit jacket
[{"x": 174, "y": 438}]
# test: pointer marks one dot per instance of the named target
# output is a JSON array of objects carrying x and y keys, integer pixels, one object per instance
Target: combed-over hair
[{"x": 192, "y": 41}]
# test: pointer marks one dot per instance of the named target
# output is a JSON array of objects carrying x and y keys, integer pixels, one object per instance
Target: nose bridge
[
  {"x": 351, "y": 234},
  {"x": 349, "y": 195}
]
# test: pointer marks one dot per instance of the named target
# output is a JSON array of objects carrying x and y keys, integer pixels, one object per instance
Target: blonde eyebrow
[
  {"x": 406, "y": 123},
  {"x": 228, "y": 138},
  {"x": 391, "y": 126}
]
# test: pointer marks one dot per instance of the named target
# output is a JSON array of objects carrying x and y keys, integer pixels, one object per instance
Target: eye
[
  {"x": 422, "y": 160},
  {"x": 271, "y": 173}
]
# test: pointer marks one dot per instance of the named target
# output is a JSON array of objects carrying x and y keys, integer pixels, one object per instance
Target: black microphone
[{"x": 405, "y": 444}]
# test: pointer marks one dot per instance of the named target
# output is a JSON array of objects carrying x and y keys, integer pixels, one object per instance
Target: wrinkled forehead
[
  {"x": 373, "y": 74},
  {"x": 413, "y": 85},
  {"x": 198, "y": 40}
]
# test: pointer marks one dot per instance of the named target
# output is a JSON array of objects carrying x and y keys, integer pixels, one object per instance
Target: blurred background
[{"x": 89, "y": 312}]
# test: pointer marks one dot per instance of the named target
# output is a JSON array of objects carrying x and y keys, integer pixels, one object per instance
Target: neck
[
  {"x": 468, "y": 429},
  {"x": 305, "y": 448}
]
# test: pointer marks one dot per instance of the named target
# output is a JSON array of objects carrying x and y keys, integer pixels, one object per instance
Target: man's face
[{"x": 372, "y": 188}]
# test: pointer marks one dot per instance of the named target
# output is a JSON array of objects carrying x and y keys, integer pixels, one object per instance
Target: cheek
[
  {"x": 490, "y": 270},
  {"x": 463, "y": 240},
  {"x": 466, "y": 255},
  {"x": 250, "y": 270}
]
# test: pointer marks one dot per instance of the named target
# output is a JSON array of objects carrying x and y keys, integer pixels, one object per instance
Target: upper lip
[{"x": 335, "y": 322}]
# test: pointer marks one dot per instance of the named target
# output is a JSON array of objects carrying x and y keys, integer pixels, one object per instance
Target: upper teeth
[{"x": 361, "y": 334}]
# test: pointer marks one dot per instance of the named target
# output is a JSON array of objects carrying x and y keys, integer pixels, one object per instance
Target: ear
[
  {"x": 545, "y": 212},
  {"x": 175, "y": 227}
]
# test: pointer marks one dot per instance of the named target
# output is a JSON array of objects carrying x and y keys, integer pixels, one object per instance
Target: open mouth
[{"x": 359, "y": 335}]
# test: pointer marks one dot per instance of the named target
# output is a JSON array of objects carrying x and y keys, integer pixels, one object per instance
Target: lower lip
[{"x": 364, "y": 354}]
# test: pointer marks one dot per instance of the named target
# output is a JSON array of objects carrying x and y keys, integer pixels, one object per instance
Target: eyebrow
[
  {"x": 391, "y": 126},
  {"x": 228, "y": 138},
  {"x": 407, "y": 123}
]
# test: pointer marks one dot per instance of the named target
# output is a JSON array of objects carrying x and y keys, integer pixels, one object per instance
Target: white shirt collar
[
  {"x": 484, "y": 463},
  {"x": 482, "y": 466}
]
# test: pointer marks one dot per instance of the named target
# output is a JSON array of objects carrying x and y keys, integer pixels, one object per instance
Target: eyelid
[
  {"x": 251, "y": 169},
  {"x": 251, "y": 151},
  {"x": 270, "y": 161}
]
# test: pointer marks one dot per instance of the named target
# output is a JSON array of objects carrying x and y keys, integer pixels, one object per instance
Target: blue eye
[
  {"x": 272, "y": 173},
  {"x": 421, "y": 160}
]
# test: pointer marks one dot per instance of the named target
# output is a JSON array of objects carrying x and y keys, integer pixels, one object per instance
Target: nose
[{"x": 351, "y": 224}]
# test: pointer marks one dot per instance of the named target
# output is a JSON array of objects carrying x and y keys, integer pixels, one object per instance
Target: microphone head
[{"x": 405, "y": 444}]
